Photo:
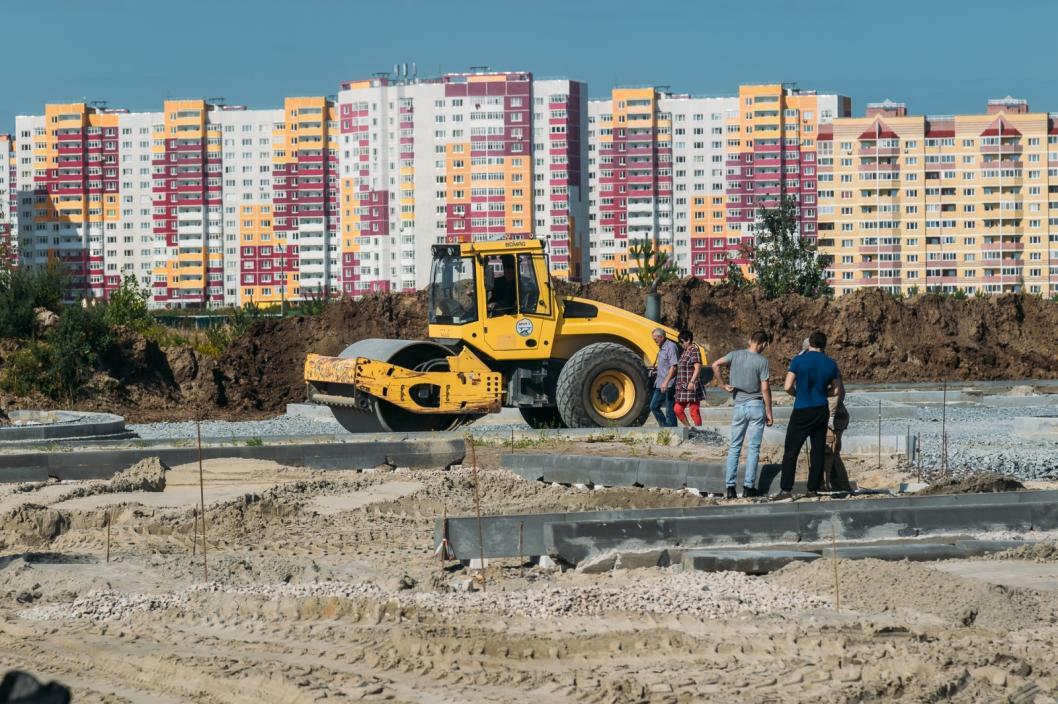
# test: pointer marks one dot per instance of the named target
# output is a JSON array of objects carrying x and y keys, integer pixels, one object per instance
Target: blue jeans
[
  {"x": 745, "y": 416},
  {"x": 661, "y": 404}
]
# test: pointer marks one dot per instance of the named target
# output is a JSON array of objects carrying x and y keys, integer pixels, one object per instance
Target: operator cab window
[
  {"x": 452, "y": 296},
  {"x": 529, "y": 299},
  {"x": 501, "y": 285}
]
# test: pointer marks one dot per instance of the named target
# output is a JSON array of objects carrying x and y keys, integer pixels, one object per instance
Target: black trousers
[{"x": 805, "y": 423}]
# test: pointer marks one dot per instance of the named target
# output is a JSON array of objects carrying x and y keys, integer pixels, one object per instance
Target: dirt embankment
[{"x": 874, "y": 336}]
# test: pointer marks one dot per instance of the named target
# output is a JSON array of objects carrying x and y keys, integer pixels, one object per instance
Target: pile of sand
[
  {"x": 146, "y": 475},
  {"x": 874, "y": 585},
  {"x": 976, "y": 484}
]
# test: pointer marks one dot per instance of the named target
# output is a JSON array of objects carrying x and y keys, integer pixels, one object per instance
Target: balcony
[
  {"x": 1001, "y": 164},
  {"x": 1001, "y": 149},
  {"x": 1016, "y": 246},
  {"x": 878, "y": 151},
  {"x": 879, "y": 249}
]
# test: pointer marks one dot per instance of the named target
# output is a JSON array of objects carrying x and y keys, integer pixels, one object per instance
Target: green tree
[
  {"x": 128, "y": 307},
  {"x": 735, "y": 277},
  {"x": 784, "y": 261},
  {"x": 653, "y": 267}
]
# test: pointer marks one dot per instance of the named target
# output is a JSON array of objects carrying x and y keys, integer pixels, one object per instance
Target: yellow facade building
[{"x": 941, "y": 203}]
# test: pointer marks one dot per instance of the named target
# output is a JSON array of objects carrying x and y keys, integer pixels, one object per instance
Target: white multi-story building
[
  {"x": 461, "y": 157},
  {"x": 205, "y": 204},
  {"x": 8, "y": 203},
  {"x": 656, "y": 169}
]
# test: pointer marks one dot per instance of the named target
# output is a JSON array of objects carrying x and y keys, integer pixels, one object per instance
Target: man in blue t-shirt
[{"x": 812, "y": 378}]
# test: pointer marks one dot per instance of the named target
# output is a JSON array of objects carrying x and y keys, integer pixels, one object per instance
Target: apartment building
[
  {"x": 461, "y": 157},
  {"x": 941, "y": 203},
  {"x": 656, "y": 172},
  {"x": 694, "y": 171},
  {"x": 7, "y": 194},
  {"x": 771, "y": 153},
  {"x": 206, "y": 204}
]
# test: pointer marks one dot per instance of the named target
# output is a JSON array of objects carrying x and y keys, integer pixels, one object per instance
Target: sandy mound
[
  {"x": 875, "y": 585},
  {"x": 1037, "y": 552},
  {"x": 146, "y": 475},
  {"x": 978, "y": 484}
]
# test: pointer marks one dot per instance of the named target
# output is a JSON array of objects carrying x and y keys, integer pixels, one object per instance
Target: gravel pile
[
  {"x": 991, "y": 453},
  {"x": 704, "y": 595},
  {"x": 699, "y": 594},
  {"x": 106, "y": 605},
  {"x": 239, "y": 431}
]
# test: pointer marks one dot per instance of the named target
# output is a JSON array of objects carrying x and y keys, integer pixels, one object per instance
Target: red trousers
[{"x": 696, "y": 414}]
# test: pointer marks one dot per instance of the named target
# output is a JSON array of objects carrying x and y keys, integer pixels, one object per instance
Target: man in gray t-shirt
[{"x": 748, "y": 386}]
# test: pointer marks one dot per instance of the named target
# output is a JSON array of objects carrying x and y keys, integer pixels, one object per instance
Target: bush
[
  {"x": 220, "y": 337},
  {"x": 22, "y": 291},
  {"x": 128, "y": 307},
  {"x": 30, "y": 370},
  {"x": 61, "y": 365}
]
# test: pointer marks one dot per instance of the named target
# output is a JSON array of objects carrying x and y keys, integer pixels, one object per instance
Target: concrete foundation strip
[
  {"x": 103, "y": 464},
  {"x": 631, "y": 471},
  {"x": 582, "y": 534},
  {"x": 764, "y": 561}
]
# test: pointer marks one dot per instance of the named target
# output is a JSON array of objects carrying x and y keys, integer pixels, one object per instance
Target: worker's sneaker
[
  {"x": 732, "y": 493},
  {"x": 811, "y": 494},
  {"x": 750, "y": 492},
  {"x": 782, "y": 496}
]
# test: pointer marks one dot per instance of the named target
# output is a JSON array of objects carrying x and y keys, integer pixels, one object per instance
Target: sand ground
[{"x": 309, "y": 599}]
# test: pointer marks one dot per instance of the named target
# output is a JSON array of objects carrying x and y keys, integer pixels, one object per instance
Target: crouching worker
[{"x": 688, "y": 387}]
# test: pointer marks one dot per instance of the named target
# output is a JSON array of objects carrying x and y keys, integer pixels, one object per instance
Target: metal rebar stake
[
  {"x": 477, "y": 509},
  {"x": 879, "y": 435},
  {"x": 944, "y": 432},
  {"x": 202, "y": 500}
]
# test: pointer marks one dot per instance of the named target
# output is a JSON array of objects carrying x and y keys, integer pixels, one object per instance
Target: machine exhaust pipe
[{"x": 653, "y": 310}]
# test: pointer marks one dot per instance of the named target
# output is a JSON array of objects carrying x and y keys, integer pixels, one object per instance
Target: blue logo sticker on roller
[{"x": 524, "y": 327}]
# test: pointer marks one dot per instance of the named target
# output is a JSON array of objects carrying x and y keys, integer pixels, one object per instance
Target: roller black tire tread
[
  {"x": 586, "y": 363},
  {"x": 542, "y": 418}
]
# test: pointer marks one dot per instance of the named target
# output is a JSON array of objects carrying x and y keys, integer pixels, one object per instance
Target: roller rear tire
[{"x": 603, "y": 385}]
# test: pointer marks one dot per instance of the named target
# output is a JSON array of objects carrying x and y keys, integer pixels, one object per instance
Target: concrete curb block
[
  {"x": 764, "y": 561},
  {"x": 62, "y": 424},
  {"x": 706, "y": 477},
  {"x": 857, "y": 414},
  {"x": 103, "y": 464},
  {"x": 1036, "y": 427},
  {"x": 851, "y": 519},
  {"x": 646, "y": 434}
]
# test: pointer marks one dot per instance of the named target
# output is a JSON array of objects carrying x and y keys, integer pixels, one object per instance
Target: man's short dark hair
[
  {"x": 686, "y": 336},
  {"x": 818, "y": 339},
  {"x": 760, "y": 338}
]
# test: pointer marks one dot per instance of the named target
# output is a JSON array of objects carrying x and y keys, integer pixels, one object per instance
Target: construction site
[{"x": 413, "y": 499}]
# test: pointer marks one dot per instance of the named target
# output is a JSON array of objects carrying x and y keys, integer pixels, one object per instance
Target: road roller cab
[
  {"x": 501, "y": 336},
  {"x": 496, "y": 297}
]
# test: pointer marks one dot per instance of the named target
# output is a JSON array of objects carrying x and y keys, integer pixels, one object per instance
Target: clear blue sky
[{"x": 940, "y": 56}]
